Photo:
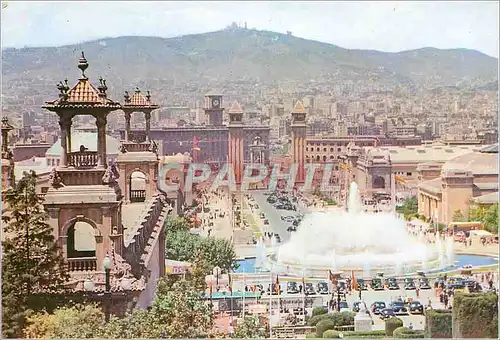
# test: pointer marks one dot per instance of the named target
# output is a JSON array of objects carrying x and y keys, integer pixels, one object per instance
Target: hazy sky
[{"x": 385, "y": 26}]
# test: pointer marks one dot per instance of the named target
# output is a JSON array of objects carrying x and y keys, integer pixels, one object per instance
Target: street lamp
[
  {"x": 107, "y": 269},
  {"x": 338, "y": 297}
]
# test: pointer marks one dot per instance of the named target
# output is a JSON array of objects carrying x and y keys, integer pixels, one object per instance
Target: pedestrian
[
  {"x": 445, "y": 301},
  {"x": 470, "y": 242},
  {"x": 417, "y": 290},
  {"x": 410, "y": 326}
]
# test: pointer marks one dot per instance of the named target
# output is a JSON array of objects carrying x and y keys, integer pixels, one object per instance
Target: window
[
  {"x": 324, "y": 149},
  {"x": 307, "y": 149},
  {"x": 339, "y": 149},
  {"x": 331, "y": 149},
  {"x": 408, "y": 174},
  {"x": 317, "y": 149}
]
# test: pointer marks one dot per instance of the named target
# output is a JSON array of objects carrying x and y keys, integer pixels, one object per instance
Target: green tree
[
  {"x": 219, "y": 252},
  {"x": 410, "y": 208},
  {"x": 250, "y": 328},
  {"x": 491, "y": 219},
  {"x": 458, "y": 216},
  {"x": 31, "y": 260},
  {"x": 174, "y": 224}
]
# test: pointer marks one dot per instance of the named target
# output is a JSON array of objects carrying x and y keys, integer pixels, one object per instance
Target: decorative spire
[
  {"x": 102, "y": 87},
  {"x": 83, "y": 65},
  {"x": 126, "y": 97},
  {"x": 148, "y": 96},
  {"x": 137, "y": 89}
]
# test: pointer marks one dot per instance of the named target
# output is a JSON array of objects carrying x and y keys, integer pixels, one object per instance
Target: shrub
[
  {"x": 319, "y": 311},
  {"x": 311, "y": 336},
  {"x": 339, "y": 319},
  {"x": 406, "y": 333},
  {"x": 391, "y": 324},
  {"x": 475, "y": 315},
  {"x": 438, "y": 323},
  {"x": 323, "y": 326},
  {"x": 331, "y": 334},
  {"x": 363, "y": 334},
  {"x": 313, "y": 321}
]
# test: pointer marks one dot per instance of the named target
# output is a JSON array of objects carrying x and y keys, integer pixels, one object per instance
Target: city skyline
[{"x": 383, "y": 26}]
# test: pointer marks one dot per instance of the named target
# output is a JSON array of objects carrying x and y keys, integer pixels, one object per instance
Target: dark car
[
  {"x": 416, "y": 307},
  {"x": 398, "y": 307},
  {"x": 309, "y": 289},
  {"x": 387, "y": 313},
  {"x": 271, "y": 199},
  {"x": 377, "y": 306},
  {"x": 424, "y": 283},
  {"x": 278, "y": 238},
  {"x": 292, "y": 288},
  {"x": 262, "y": 215},
  {"x": 287, "y": 218},
  {"x": 361, "y": 284},
  {"x": 376, "y": 284},
  {"x": 392, "y": 283},
  {"x": 266, "y": 221},
  {"x": 291, "y": 228},
  {"x": 322, "y": 288},
  {"x": 343, "y": 306},
  {"x": 409, "y": 284}
]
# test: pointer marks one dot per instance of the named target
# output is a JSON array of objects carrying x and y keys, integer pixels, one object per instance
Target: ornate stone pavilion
[
  {"x": 7, "y": 156},
  {"x": 94, "y": 210}
]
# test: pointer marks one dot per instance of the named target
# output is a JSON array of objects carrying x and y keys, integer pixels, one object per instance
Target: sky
[{"x": 383, "y": 26}]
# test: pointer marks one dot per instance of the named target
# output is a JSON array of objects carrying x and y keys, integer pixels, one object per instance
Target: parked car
[
  {"x": 343, "y": 306},
  {"x": 361, "y": 284},
  {"x": 387, "y": 313},
  {"x": 309, "y": 289},
  {"x": 424, "y": 283},
  {"x": 416, "y": 307},
  {"x": 322, "y": 288},
  {"x": 398, "y": 307},
  {"x": 266, "y": 221},
  {"x": 291, "y": 228},
  {"x": 292, "y": 288},
  {"x": 376, "y": 284},
  {"x": 409, "y": 284},
  {"x": 262, "y": 215},
  {"x": 377, "y": 306},
  {"x": 391, "y": 283}
]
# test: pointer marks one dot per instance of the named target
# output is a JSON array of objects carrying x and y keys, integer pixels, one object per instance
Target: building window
[
  {"x": 331, "y": 149},
  {"x": 307, "y": 149},
  {"x": 339, "y": 149},
  {"x": 317, "y": 149},
  {"x": 324, "y": 149}
]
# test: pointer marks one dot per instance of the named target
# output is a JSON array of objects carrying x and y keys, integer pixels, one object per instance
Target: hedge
[
  {"x": 406, "y": 333},
  {"x": 364, "y": 334},
  {"x": 475, "y": 315},
  {"x": 438, "y": 323},
  {"x": 311, "y": 336},
  {"x": 331, "y": 334},
  {"x": 391, "y": 324},
  {"x": 323, "y": 326},
  {"x": 319, "y": 311},
  {"x": 339, "y": 319}
]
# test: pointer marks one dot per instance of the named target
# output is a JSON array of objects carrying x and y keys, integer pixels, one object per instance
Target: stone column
[
  {"x": 63, "y": 123},
  {"x": 69, "y": 135},
  {"x": 102, "y": 161},
  {"x": 148, "y": 125},
  {"x": 127, "y": 126}
]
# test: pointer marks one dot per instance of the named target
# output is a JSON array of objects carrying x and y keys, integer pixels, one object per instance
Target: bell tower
[
  {"x": 298, "y": 128},
  {"x": 214, "y": 109}
]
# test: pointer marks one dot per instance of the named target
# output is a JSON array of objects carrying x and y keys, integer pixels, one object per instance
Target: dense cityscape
[{"x": 227, "y": 196}]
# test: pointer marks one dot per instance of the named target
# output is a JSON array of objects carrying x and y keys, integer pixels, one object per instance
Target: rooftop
[
  {"x": 476, "y": 162},
  {"x": 436, "y": 153},
  {"x": 132, "y": 215},
  {"x": 490, "y": 198}
]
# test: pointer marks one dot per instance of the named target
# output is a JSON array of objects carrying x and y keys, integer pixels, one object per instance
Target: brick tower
[
  {"x": 298, "y": 127},
  {"x": 236, "y": 137}
]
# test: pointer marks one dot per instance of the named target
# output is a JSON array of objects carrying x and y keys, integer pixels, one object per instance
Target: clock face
[{"x": 215, "y": 102}]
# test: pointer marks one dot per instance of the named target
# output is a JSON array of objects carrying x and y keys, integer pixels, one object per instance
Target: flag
[
  {"x": 399, "y": 179},
  {"x": 195, "y": 144},
  {"x": 332, "y": 278},
  {"x": 277, "y": 285},
  {"x": 354, "y": 282}
]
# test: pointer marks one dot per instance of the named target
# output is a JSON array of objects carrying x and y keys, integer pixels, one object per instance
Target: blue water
[{"x": 248, "y": 265}]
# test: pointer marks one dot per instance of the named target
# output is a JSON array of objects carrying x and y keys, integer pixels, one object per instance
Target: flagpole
[
  {"x": 270, "y": 301},
  {"x": 303, "y": 296},
  {"x": 244, "y": 294}
]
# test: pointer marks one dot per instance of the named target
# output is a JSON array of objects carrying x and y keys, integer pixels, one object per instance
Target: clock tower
[{"x": 214, "y": 109}]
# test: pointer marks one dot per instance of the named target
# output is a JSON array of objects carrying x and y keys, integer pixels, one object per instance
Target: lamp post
[
  {"x": 338, "y": 297},
  {"x": 216, "y": 272},
  {"x": 107, "y": 269}
]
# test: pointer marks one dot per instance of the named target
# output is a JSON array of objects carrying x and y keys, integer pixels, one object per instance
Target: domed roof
[
  {"x": 475, "y": 162},
  {"x": 87, "y": 139}
]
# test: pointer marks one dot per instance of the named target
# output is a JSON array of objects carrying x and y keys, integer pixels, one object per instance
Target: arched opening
[
  {"x": 81, "y": 240},
  {"x": 317, "y": 158},
  {"x": 324, "y": 158},
  {"x": 378, "y": 183},
  {"x": 137, "y": 187}
]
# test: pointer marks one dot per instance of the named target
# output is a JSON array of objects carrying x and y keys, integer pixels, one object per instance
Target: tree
[
  {"x": 410, "y": 208},
  {"x": 176, "y": 224},
  {"x": 250, "y": 328},
  {"x": 219, "y": 252},
  {"x": 31, "y": 261},
  {"x": 491, "y": 219},
  {"x": 458, "y": 216}
]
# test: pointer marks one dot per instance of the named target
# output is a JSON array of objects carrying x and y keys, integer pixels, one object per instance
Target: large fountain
[{"x": 360, "y": 241}]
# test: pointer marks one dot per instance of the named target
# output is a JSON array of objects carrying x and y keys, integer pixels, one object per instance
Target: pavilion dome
[{"x": 87, "y": 139}]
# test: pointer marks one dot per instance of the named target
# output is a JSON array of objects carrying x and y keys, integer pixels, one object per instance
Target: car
[
  {"x": 262, "y": 215},
  {"x": 309, "y": 289},
  {"x": 376, "y": 284},
  {"x": 296, "y": 223},
  {"x": 377, "y": 306},
  {"x": 392, "y": 283},
  {"x": 343, "y": 306},
  {"x": 361, "y": 284},
  {"x": 424, "y": 283},
  {"x": 291, "y": 228},
  {"x": 292, "y": 288},
  {"x": 287, "y": 218},
  {"x": 398, "y": 307},
  {"x": 278, "y": 238},
  {"x": 416, "y": 307},
  {"x": 387, "y": 313},
  {"x": 322, "y": 288},
  {"x": 266, "y": 221},
  {"x": 271, "y": 199},
  {"x": 409, "y": 284}
]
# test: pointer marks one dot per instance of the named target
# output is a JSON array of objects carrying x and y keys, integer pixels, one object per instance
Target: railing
[
  {"x": 137, "y": 195},
  {"x": 136, "y": 147},
  {"x": 82, "y": 264},
  {"x": 86, "y": 159}
]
